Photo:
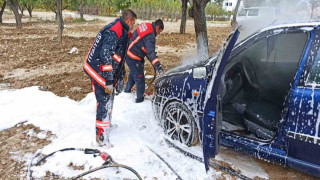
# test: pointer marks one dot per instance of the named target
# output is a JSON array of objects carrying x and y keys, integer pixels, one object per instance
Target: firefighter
[
  {"x": 142, "y": 44},
  {"x": 103, "y": 64}
]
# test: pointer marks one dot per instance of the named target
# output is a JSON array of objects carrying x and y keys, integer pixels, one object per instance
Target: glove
[
  {"x": 109, "y": 89},
  {"x": 160, "y": 72}
]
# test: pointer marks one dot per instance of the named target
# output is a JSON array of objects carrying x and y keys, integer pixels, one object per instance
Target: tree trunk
[
  {"x": 183, "y": 16},
  {"x": 234, "y": 23},
  {"x": 15, "y": 9},
  {"x": 30, "y": 8},
  {"x": 81, "y": 11},
  {"x": 81, "y": 14},
  {"x": 2, "y": 10},
  {"x": 60, "y": 20},
  {"x": 200, "y": 26}
]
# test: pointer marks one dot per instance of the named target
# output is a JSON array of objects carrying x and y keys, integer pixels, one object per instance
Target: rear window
[
  {"x": 253, "y": 12},
  {"x": 243, "y": 12}
]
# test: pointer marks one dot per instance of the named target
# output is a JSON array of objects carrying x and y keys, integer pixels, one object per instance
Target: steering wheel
[{"x": 249, "y": 72}]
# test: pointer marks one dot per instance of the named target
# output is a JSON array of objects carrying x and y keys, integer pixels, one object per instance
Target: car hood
[{"x": 187, "y": 68}]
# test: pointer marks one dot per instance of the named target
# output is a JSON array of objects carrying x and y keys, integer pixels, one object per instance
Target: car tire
[{"x": 179, "y": 124}]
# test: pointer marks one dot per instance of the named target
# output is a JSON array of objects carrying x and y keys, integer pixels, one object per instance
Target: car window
[
  {"x": 274, "y": 60},
  {"x": 286, "y": 47},
  {"x": 243, "y": 12},
  {"x": 314, "y": 76},
  {"x": 253, "y": 12},
  {"x": 257, "y": 51}
]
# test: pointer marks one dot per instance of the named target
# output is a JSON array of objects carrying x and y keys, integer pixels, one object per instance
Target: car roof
[
  {"x": 280, "y": 25},
  {"x": 261, "y": 8}
]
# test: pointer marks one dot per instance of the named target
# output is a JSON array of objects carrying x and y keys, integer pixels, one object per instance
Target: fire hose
[{"x": 109, "y": 162}]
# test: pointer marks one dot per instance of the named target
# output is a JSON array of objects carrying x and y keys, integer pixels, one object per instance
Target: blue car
[{"x": 260, "y": 96}]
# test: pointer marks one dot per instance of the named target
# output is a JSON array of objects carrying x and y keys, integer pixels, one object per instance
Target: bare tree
[
  {"x": 60, "y": 20},
  {"x": 14, "y": 5},
  {"x": 235, "y": 13},
  {"x": 22, "y": 7},
  {"x": 2, "y": 10},
  {"x": 197, "y": 11},
  {"x": 183, "y": 16}
]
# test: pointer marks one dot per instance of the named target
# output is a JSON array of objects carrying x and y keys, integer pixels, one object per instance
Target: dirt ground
[{"x": 32, "y": 57}]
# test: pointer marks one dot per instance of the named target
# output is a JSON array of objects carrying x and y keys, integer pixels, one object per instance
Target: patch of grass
[
  {"x": 219, "y": 22},
  {"x": 80, "y": 20}
]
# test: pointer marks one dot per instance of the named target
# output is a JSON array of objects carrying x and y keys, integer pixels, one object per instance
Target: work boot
[
  {"x": 102, "y": 138},
  {"x": 139, "y": 100}
]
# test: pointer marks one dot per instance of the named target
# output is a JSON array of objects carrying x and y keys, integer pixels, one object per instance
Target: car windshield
[
  {"x": 221, "y": 51},
  {"x": 243, "y": 12},
  {"x": 253, "y": 12}
]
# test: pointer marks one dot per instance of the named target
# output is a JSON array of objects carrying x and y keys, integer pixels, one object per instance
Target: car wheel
[{"x": 179, "y": 124}]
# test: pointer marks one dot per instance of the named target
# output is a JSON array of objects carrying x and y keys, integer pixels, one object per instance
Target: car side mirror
[{"x": 199, "y": 72}]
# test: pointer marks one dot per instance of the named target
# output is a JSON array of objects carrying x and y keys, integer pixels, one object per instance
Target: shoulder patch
[
  {"x": 144, "y": 29},
  {"x": 117, "y": 28}
]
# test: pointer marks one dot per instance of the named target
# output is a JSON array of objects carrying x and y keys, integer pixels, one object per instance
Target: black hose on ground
[
  {"x": 108, "y": 166},
  {"x": 106, "y": 157}
]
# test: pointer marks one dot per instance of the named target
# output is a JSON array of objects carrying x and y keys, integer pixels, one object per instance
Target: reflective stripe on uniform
[
  {"x": 101, "y": 124},
  {"x": 94, "y": 75},
  {"x": 129, "y": 53},
  {"x": 106, "y": 68},
  {"x": 133, "y": 56},
  {"x": 144, "y": 49},
  {"x": 117, "y": 58},
  {"x": 155, "y": 61},
  {"x": 134, "y": 42}
]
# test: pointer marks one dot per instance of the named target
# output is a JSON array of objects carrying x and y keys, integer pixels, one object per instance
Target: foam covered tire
[{"x": 179, "y": 124}]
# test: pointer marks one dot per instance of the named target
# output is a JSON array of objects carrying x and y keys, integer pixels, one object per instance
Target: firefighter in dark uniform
[
  {"x": 142, "y": 44},
  {"x": 103, "y": 64}
]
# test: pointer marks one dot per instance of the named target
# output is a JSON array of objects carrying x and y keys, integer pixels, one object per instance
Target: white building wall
[{"x": 229, "y": 5}]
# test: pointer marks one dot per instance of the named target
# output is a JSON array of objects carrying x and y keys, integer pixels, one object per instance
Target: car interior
[{"x": 256, "y": 82}]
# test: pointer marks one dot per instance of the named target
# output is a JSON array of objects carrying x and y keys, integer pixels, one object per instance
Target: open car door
[{"x": 212, "y": 117}]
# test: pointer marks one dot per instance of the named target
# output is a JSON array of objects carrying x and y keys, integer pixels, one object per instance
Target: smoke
[
  {"x": 197, "y": 53},
  {"x": 294, "y": 10},
  {"x": 286, "y": 11}
]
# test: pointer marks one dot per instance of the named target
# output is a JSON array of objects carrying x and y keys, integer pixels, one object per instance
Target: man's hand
[
  {"x": 109, "y": 89},
  {"x": 160, "y": 72}
]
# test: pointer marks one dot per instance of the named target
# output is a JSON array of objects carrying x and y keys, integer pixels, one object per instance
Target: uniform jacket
[
  {"x": 107, "y": 52},
  {"x": 143, "y": 44}
]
